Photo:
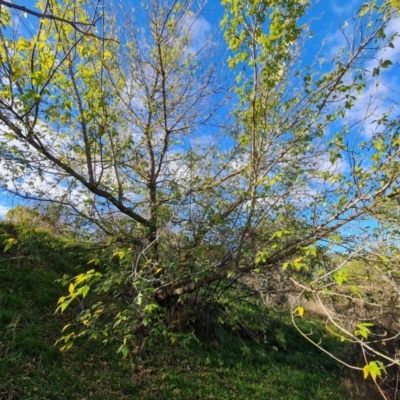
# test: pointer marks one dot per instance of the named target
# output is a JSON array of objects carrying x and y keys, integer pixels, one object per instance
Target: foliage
[
  {"x": 188, "y": 187},
  {"x": 32, "y": 367}
]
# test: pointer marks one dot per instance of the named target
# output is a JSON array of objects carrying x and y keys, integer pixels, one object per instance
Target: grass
[
  {"x": 31, "y": 367},
  {"x": 233, "y": 371}
]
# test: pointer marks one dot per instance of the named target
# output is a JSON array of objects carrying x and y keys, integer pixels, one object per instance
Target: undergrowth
[{"x": 283, "y": 366}]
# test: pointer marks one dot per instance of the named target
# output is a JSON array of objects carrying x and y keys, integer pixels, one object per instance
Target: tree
[
  {"x": 47, "y": 14},
  {"x": 127, "y": 136}
]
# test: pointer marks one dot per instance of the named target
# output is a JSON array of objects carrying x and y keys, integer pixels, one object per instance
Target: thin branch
[
  {"x": 75, "y": 24},
  {"x": 45, "y": 16}
]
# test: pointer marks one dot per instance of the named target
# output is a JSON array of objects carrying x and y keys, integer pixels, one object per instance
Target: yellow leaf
[
  {"x": 79, "y": 278},
  {"x": 366, "y": 371},
  {"x": 299, "y": 310},
  {"x": 65, "y": 327},
  {"x": 71, "y": 288}
]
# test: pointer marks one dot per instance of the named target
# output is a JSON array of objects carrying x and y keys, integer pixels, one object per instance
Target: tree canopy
[{"x": 196, "y": 176}]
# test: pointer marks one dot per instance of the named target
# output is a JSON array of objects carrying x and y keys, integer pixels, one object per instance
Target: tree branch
[
  {"x": 74, "y": 24},
  {"x": 46, "y": 16}
]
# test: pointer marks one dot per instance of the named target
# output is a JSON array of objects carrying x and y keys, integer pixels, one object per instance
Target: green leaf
[
  {"x": 355, "y": 290},
  {"x": 364, "y": 9},
  {"x": 285, "y": 266},
  {"x": 261, "y": 257},
  {"x": 80, "y": 278},
  {"x": 386, "y": 64},
  {"x": 85, "y": 290},
  {"x": 124, "y": 349},
  {"x": 363, "y": 329},
  {"x": 9, "y": 243},
  {"x": 67, "y": 346},
  {"x": 337, "y": 239},
  {"x": 95, "y": 261},
  {"x": 151, "y": 307},
  {"x": 65, "y": 327},
  {"x": 64, "y": 305},
  {"x": 374, "y": 368},
  {"x": 341, "y": 277},
  {"x": 277, "y": 234}
]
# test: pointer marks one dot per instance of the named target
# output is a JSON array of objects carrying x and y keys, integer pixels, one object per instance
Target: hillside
[{"x": 283, "y": 366}]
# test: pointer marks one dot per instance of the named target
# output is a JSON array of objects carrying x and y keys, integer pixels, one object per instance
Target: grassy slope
[{"x": 31, "y": 367}]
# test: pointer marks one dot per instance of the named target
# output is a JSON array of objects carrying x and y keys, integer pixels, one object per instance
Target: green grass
[
  {"x": 233, "y": 371},
  {"x": 31, "y": 367}
]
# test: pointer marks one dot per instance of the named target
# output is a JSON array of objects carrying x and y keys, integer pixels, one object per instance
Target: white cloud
[
  {"x": 344, "y": 8},
  {"x": 336, "y": 40},
  {"x": 3, "y": 211},
  {"x": 199, "y": 30},
  {"x": 381, "y": 91},
  {"x": 325, "y": 165},
  {"x": 371, "y": 105},
  {"x": 387, "y": 53}
]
